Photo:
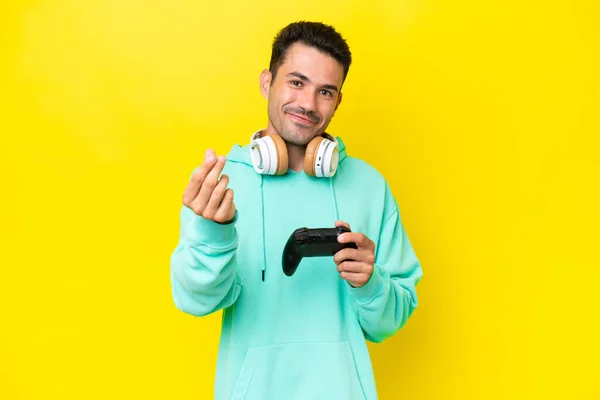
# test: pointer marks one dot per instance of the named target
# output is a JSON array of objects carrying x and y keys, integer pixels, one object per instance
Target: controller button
[{"x": 300, "y": 237}]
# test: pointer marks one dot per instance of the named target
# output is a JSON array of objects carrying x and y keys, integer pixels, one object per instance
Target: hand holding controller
[{"x": 305, "y": 242}]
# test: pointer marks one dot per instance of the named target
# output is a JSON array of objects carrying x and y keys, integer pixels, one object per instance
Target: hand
[
  {"x": 206, "y": 194},
  {"x": 355, "y": 265}
]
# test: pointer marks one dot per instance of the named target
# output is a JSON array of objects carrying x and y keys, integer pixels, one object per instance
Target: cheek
[
  {"x": 327, "y": 110},
  {"x": 276, "y": 102},
  {"x": 286, "y": 98},
  {"x": 288, "y": 95}
]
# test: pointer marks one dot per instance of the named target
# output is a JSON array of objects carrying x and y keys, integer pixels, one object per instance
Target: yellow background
[{"x": 482, "y": 114}]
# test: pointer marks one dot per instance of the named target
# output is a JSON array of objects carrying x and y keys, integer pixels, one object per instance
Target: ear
[{"x": 265, "y": 83}]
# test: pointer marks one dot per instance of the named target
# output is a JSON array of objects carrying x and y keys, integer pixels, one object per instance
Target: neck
[{"x": 296, "y": 157}]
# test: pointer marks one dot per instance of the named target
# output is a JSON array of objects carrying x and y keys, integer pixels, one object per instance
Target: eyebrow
[{"x": 305, "y": 78}]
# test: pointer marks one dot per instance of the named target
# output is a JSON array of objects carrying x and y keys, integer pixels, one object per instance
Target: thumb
[{"x": 342, "y": 223}]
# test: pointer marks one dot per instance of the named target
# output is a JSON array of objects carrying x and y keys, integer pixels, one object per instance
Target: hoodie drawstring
[
  {"x": 264, "y": 239},
  {"x": 337, "y": 215}
]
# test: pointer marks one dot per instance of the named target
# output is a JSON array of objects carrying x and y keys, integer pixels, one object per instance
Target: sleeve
[
  {"x": 389, "y": 298},
  {"x": 204, "y": 275}
]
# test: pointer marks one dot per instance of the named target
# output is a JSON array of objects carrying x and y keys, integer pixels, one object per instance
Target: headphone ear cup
[
  {"x": 323, "y": 159},
  {"x": 281, "y": 156},
  {"x": 310, "y": 157},
  {"x": 331, "y": 157},
  {"x": 267, "y": 155}
]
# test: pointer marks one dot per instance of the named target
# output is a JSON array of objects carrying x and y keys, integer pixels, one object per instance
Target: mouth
[{"x": 301, "y": 120}]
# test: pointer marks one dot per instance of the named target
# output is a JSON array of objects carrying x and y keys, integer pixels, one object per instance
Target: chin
[{"x": 298, "y": 139}]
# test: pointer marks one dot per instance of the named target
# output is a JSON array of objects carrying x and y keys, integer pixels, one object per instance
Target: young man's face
[{"x": 304, "y": 95}]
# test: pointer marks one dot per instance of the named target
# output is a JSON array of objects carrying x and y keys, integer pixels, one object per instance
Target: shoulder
[
  {"x": 361, "y": 171},
  {"x": 364, "y": 180}
]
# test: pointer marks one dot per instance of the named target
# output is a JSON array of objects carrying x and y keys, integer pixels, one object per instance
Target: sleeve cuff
[
  {"x": 371, "y": 289},
  {"x": 212, "y": 233}
]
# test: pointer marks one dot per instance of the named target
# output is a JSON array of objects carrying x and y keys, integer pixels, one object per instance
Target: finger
[
  {"x": 198, "y": 176},
  {"x": 210, "y": 153},
  {"x": 362, "y": 242},
  {"x": 353, "y": 266},
  {"x": 342, "y": 223},
  {"x": 216, "y": 197},
  {"x": 226, "y": 210},
  {"x": 349, "y": 254},
  {"x": 209, "y": 184},
  {"x": 356, "y": 279}
]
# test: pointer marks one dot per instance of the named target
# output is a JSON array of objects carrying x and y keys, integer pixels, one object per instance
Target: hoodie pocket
[{"x": 307, "y": 371}]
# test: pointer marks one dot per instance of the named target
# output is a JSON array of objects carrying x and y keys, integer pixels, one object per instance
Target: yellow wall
[{"x": 487, "y": 112}]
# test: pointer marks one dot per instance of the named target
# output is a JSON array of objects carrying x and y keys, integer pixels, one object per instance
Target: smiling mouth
[{"x": 302, "y": 119}]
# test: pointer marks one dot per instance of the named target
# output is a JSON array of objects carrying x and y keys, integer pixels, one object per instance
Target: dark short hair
[{"x": 315, "y": 34}]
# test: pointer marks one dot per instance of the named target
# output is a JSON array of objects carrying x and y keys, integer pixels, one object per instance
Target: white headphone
[{"x": 269, "y": 155}]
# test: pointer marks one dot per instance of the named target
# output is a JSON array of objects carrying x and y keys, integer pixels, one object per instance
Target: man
[{"x": 301, "y": 336}]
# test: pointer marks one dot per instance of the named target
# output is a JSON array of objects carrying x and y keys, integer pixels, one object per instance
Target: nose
[{"x": 307, "y": 100}]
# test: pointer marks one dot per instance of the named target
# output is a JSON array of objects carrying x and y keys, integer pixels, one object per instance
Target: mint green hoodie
[{"x": 304, "y": 336}]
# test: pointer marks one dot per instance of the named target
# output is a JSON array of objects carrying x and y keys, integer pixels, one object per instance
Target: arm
[
  {"x": 389, "y": 297},
  {"x": 204, "y": 275}
]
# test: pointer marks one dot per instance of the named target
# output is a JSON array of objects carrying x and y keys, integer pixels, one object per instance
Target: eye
[
  {"x": 326, "y": 92},
  {"x": 296, "y": 83}
]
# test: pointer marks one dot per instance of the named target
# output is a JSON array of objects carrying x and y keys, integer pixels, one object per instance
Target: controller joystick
[{"x": 318, "y": 242}]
